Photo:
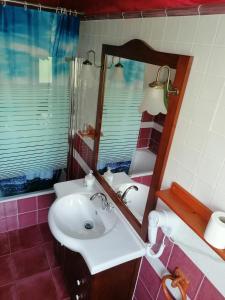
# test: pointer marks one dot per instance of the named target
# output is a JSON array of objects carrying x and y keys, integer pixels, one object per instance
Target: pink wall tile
[
  {"x": 149, "y": 278},
  {"x": 137, "y": 179},
  {"x": 160, "y": 119},
  {"x": 12, "y": 223},
  {"x": 3, "y": 227},
  {"x": 45, "y": 201},
  {"x": 141, "y": 293},
  {"x": 208, "y": 292},
  {"x": 168, "y": 249},
  {"x": 25, "y": 205},
  {"x": 146, "y": 117},
  {"x": 43, "y": 215},
  {"x": 145, "y": 133},
  {"x": 179, "y": 259},
  {"x": 10, "y": 208},
  {"x": 146, "y": 180},
  {"x": 2, "y": 210},
  {"x": 28, "y": 219}
]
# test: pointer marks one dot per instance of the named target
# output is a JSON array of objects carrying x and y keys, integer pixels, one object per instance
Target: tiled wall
[
  {"x": 146, "y": 180},
  {"x": 86, "y": 154},
  {"x": 25, "y": 212},
  {"x": 197, "y": 159}
]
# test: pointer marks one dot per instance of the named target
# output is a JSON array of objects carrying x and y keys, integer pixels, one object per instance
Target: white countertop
[{"x": 120, "y": 245}]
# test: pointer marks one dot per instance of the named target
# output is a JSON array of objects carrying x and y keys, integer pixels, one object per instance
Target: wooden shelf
[{"x": 195, "y": 214}]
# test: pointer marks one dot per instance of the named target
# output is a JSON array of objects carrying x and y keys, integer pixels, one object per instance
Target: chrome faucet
[
  {"x": 124, "y": 194},
  {"x": 105, "y": 203}
]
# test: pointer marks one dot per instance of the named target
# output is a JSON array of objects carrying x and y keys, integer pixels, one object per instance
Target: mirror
[{"x": 130, "y": 141}]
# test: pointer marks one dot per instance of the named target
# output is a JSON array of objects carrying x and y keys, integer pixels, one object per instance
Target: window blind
[{"x": 34, "y": 124}]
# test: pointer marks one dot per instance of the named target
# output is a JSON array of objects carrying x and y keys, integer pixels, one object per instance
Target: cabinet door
[
  {"x": 116, "y": 283},
  {"x": 77, "y": 275}
]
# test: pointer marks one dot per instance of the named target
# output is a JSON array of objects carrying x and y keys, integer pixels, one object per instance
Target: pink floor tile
[
  {"x": 7, "y": 292},
  {"x": 62, "y": 291},
  {"x": 49, "y": 251},
  {"x": 10, "y": 208},
  {"x": 25, "y": 205},
  {"x": 45, "y": 201},
  {"x": 30, "y": 262},
  {"x": 28, "y": 219},
  {"x": 38, "y": 287},
  {"x": 192, "y": 272},
  {"x": 25, "y": 238},
  {"x": 208, "y": 292},
  {"x": 45, "y": 232},
  {"x": 7, "y": 270},
  {"x": 4, "y": 244}
]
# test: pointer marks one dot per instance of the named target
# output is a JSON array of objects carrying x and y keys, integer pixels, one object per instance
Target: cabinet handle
[
  {"x": 77, "y": 297},
  {"x": 78, "y": 282}
]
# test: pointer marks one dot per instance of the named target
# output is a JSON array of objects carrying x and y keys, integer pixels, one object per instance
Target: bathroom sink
[
  {"x": 76, "y": 216},
  {"x": 90, "y": 227},
  {"x": 136, "y": 200}
]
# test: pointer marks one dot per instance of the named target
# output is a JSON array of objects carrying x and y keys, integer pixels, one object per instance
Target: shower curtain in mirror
[
  {"x": 121, "y": 119},
  {"x": 35, "y": 50}
]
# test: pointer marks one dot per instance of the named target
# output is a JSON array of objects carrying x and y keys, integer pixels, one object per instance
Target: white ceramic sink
[
  {"x": 136, "y": 200},
  {"x": 79, "y": 217},
  {"x": 110, "y": 242}
]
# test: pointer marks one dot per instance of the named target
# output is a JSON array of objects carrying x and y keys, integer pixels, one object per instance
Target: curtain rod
[{"x": 61, "y": 10}]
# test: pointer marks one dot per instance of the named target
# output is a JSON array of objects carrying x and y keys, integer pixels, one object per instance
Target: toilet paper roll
[{"x": 215, "y": 230}]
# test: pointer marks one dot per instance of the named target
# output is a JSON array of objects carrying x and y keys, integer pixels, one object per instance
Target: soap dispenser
[
  {"x": 108, "y": 175},
  {"x": 89, "y": 179}
]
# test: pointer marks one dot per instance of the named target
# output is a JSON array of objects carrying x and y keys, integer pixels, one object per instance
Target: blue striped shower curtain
[{"x": 35, "y": 48}]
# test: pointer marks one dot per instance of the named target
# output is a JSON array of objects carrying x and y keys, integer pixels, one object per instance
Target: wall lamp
[
  {"x": 87, "y": 71},
  {"x": 87, "y": 62},
  {"x": 156, "y": 94}
]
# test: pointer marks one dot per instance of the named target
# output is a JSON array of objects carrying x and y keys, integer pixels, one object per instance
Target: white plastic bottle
[
  {"x": 89, "y": 179},
  {"x": 108, "y": 175}
]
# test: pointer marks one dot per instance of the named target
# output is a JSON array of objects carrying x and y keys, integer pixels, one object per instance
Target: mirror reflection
[{"x": 131, "y": 128}]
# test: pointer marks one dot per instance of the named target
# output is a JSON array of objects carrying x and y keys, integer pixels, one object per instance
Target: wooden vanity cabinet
[{"x": 116, "y": 283}]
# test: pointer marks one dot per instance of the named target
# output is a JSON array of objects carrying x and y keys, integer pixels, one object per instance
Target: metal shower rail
[{"x": 61, "y": 10}]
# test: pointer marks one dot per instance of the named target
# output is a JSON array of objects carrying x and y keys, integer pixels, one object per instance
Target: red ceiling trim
[{"x": 207, "y": 9}]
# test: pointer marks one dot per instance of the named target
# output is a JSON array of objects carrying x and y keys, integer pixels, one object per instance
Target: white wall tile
[
  {"x": 215, "y": 146},
  {"x": 217, "y": 62},
  {"x": 209, "y": 168},
  {"x": 171, "y": 29},
  {"x": 206, "y": 30},
  {"x": 201, "y": 57},
  {"x": 196, "y": 136},
  {"x": 187, "y": 29},
  {"x": 203, "y": 191}
]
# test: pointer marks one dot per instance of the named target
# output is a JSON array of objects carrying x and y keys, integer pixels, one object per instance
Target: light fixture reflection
[
  {"x": 156, "y": 95},
  {"x": 118, "y": 73}
]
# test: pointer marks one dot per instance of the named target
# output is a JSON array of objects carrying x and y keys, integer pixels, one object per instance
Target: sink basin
[
  {"x": 136, "y": 200},
  {"x": 76, "y": 216}
]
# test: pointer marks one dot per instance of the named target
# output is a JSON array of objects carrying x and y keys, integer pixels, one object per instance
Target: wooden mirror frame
[{"x": 140, "y": 51}]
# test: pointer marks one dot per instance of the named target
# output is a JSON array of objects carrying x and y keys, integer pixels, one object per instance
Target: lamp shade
[
  {"x": 87, "y": 75},
  {"x": 153, "y": 101},
  {"x": 117, "y": 75}
]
